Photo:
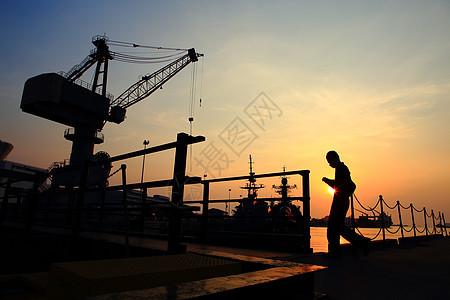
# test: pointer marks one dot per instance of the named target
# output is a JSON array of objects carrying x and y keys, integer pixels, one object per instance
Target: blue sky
[{"x": 369, "y": 79}]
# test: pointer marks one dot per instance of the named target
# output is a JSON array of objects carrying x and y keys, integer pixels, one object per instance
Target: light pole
[
  {"x": 146, "y": 142},
  {"x": 227, "y": 208}
]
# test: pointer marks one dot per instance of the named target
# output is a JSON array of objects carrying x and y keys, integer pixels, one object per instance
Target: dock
[{"x": 412, "y": 270}]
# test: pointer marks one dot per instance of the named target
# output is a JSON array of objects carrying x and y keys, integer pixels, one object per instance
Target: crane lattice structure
[{"x": 87, "y": 107}]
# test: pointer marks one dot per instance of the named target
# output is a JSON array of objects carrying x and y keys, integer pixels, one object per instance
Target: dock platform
[{"x": 406, "y": 271}]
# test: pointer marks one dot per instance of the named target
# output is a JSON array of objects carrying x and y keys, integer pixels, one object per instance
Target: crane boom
[{"x": 147, "y": 85}]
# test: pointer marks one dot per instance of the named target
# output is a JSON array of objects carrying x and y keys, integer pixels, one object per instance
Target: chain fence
[{"x": 433, "y": 224}]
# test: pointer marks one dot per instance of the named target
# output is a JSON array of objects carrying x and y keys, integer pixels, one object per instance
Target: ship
[
  {"x": 366, "y": 221},
  {"x": 257, "y": 215}
]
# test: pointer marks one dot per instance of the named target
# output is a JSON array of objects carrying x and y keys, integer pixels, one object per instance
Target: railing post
[
  {"x": 412, "y": 217},
  {"x": 382, "y": 218},
  {"x": 204, "y": 223},
  {"x": 400, "y": 218},
  {"x": 306, "y": 210},
  {"x": 101, "y": 215},
  {"x": 434, "y": 223},
  {"x": 440, "y": 223},
  {"x": 425, "y": 218},
  {"x": 445, "y": 226},
  {"x": 179, "y": 176},
  {"x": 125, "y": 208},
  {"x": 5, "y": 201},
  {"x": 69, "y": 191},
  {"x": 352, "y": 212},
  {"x": 143, "y": 208},
  {"x": 32, "y": 202}
]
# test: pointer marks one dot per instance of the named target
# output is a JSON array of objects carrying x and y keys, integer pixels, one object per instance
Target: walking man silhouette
[{"x": 343, "y": 188}]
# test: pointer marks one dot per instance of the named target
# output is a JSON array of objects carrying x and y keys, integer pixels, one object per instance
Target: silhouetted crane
[{"x": 65, "y": 99}]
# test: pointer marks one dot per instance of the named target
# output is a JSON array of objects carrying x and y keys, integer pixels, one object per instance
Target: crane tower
[{"x": 65, "y": 99}]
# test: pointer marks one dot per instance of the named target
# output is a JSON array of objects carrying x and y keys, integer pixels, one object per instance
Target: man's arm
[{"x": 328, "y": 181}]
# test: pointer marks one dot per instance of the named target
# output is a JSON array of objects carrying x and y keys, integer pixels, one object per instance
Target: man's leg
[
  {"x": 357, "y": 240},
  {"x": 336, "y": 221}
]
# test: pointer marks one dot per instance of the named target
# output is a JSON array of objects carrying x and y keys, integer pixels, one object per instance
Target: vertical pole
[
  {"x": 204, "y": 226},
  {"x": 445, "y": 226},
  {"x": 101, "y": 215},
  {"x": 353, "y": 213},
  {"x": 440, "y": 223},
  {"x": 5, "y": 201},
  {"x": 143, "y": 162},
  {"x": 179, "y": 176},
  {"x": 412, "y": 216},
  {"x": 306, "y": 210},
  {"x": 33, "y": 202},
  {"x": 105, "y": 76},
  {"x": 400, "y": 218},
  {"x": 18, "y": 206},
  {"x": 425, "y": 218},
  {"x": 434, "y": 223},
  {"x": 382, "y": 218},
  {"x": 80, "y": 200},
  {"x": 125, "y": 207},
  {"x": 143, "y": 208},
  {"x": 70, "y": 201}
]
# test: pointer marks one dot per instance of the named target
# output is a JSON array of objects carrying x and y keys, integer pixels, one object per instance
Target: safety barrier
[{"x": 435, "y": 229}]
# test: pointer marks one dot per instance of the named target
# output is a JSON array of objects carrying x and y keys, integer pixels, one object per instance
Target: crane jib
[{"x": 147, "y": 85}]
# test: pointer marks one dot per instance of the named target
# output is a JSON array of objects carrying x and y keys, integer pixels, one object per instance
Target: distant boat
[{"x": 366, "y": 221}]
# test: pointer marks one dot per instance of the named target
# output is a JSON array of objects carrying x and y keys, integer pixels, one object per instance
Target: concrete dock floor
[{"x": 418, "y": 271}]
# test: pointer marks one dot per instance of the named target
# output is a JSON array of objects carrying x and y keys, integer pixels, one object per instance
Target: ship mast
[{"x": 251, "y": 187}]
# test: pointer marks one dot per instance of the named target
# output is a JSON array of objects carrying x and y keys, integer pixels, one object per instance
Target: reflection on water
[{"x": 319, "y": 241}]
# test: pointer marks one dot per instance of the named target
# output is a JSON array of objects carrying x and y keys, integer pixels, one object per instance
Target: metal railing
[
  {"x": 231, "y": 224},
  {"x": 440, "y": 228}
]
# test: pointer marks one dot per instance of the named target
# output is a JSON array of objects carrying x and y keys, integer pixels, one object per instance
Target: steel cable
[
  {"x": 368, "y": 209},
  {"x": 128, "y": 44},
  {"x": 389, "y": 206},
  {"x": 370, "y": 238},
  {"x": 407, "y": 229},
  {"x": 418, "y": 210},
  {"x": 403, "y": 206},
  {"x": 419, "y": 231},
  {"x": 393, "y": 232},
  {"x": 123, "y": 55}
]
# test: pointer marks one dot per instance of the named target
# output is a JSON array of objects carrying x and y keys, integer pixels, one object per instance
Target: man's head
[{"x": 333, "y": 158}]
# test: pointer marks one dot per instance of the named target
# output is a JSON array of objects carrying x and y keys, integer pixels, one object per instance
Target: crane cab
[{"x": 52, "y": 97}]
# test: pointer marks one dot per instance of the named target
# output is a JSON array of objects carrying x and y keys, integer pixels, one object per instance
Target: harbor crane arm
[
  {"x": 79, "y": 69},
  {"x": 147, "y": 85},
  {"x": 101, "y": 54}
]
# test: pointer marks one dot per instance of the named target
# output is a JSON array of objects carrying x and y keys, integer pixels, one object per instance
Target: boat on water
[{"x": 375, "y": 221}]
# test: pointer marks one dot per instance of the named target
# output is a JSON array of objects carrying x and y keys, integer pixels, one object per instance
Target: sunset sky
[{"x": 369, "y": 79}]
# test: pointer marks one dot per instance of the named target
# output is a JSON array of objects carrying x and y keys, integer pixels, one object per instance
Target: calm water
[{"x": 319, "y": 241}]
